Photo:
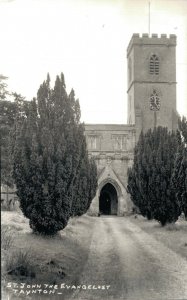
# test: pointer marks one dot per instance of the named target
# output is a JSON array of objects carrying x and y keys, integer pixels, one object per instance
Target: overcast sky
[{"x": 87, "y": 41}]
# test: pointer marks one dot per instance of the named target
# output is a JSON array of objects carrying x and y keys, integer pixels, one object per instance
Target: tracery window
[
  {"x": 154, "y": 101},
  {"x": 154, "y": 65}
]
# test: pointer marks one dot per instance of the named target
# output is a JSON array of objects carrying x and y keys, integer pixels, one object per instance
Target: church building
[{"x": 151, "y": 94}]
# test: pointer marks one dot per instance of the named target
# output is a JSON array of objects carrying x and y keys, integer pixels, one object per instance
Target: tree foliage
[
  {"x": 7, "y": 115},
  {"x": 51, "y": 162},
  {"x": 85, "y": 187},
  {"x": 11, "y": 104},
  {"x": 179, "y": 176},
  {"x": 149, "y": 180},
  {"x": 3, "y": 87},
  {"x": 183, "y": 129}
]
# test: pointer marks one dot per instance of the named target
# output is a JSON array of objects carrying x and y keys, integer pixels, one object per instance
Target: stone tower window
[
  {"x": 154, "y": 101},
  {"x": 154, "y": 65}
]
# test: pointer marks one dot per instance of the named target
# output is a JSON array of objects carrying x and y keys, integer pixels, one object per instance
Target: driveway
[{"x": 124, "y": 262}]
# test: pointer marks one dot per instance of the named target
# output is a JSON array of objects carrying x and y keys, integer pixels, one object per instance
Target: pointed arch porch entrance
[{"x": 108, "y": 199}]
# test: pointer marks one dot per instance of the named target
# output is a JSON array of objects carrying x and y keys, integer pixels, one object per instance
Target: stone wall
[{"x": 112, "y": 146}]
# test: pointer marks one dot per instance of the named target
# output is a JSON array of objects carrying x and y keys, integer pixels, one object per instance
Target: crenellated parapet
[{"x": 151, "y": 40}]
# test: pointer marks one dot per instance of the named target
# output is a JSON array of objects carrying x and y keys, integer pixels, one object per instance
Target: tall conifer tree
[
  {"x": 149, "y": 181},
  {"x": 49, "y": 154},
  {"x": 179, "y": 176}
]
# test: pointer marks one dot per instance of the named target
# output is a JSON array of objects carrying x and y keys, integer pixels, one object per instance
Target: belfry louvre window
[{"x": 154, "y": 65}]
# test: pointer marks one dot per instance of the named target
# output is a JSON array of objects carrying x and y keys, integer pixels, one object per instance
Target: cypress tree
[
  {"x": 52, "y": 157},
  {"x": 182, "y": 182},
  {"x": 149, "y": 180},
  {"x": 179, "y": 176}
]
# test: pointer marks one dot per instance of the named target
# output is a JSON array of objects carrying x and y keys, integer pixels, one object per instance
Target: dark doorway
[{"x": 108, "y": 200}]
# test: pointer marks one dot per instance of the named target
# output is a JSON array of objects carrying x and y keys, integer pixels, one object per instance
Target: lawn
[
  {"x": 174, "y": 236},
  {"x": 35, "y": 259}
]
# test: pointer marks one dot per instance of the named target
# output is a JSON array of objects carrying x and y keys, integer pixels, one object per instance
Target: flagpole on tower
[{"x": 149, "y": 20}]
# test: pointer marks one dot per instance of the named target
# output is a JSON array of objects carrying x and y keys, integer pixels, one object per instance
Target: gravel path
[{"x": 126, "y": 263}]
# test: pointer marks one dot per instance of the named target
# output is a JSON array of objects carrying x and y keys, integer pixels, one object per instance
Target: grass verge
[
  {"x": 34, "y": 259},
  {"x": 174, "y": 236}
]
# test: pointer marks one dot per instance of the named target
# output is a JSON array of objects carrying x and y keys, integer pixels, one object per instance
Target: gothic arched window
[
  {"x": 154, "y": 101},
  {"x": 154, "y": 65}
]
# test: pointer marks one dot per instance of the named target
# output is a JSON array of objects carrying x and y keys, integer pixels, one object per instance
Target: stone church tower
[
  {"x": 152, "y": 82},
  {"x": 151, "y": 94}
]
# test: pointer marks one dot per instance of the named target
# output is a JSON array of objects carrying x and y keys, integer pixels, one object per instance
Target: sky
[{"x": 87, "y": 41}]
